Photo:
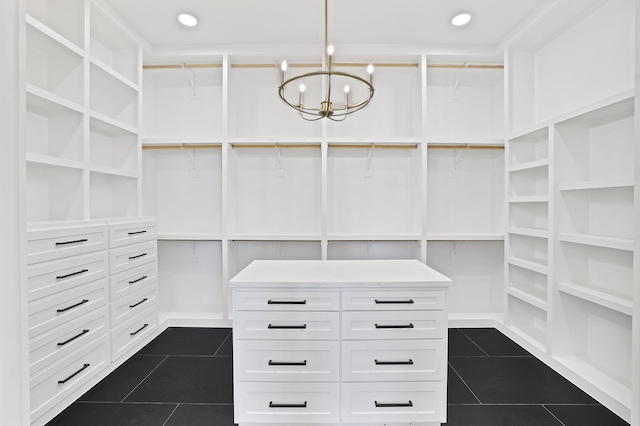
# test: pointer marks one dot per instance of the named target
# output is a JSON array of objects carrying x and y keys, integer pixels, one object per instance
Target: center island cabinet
[{"x": 347, "y": 342}]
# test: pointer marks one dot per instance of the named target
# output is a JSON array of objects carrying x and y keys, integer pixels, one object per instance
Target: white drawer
[
  {"x": 393, "y": 361},
  {"x": 49, "y": 312},
  {"x": 52, "y": 385},
  {"x": 287, "y": 300},
  {"x": 287, "y": 361},
  {"x": 50, "y": 244},
  {"x": 131, "y": 256},
  {"x": 126, "y": 233},
  {"x": 129, "y": 281},
  {"x": 287, "y": 325},
  {"x": 133, "y": 332},
  {"x": 283, "y": 403},
  {"x": 48, "y": 348},
  {"x": 45, "y": 279},
  {"x": 391, "y": 402},
  {"x": 134, "y": 303},
  {"x": 393, "y": 325},
  {"x": 403, "y": 300}
]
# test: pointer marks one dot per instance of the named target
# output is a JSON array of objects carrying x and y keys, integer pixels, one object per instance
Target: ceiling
[{"x": 415, "y": 22}]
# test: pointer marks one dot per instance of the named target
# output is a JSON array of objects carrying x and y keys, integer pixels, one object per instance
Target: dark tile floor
[{"x": 184, "y": 378}]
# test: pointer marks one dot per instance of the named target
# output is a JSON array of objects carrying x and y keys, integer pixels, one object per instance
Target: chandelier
[{"x": 328, "y": 106}]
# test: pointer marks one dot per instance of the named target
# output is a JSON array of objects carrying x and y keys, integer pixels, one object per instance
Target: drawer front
[
  {"x": 287, "y": 361},
  {"x": 403, "y": 300},
  {"x": 391, "y": 402},
  {"x": 287, "y": 325},
  {"x": 51, "y": 244},
  {"x": 282, "y": 403},
  {"x": 122, "y": 234},
  {"x": 47, "y": 313},
  {"x": 134, "y": 303},
  {"x": 133, "y": 332},
  {"x": 52, "y": 385},
  {"x": 45, "y": 279},
  {"x": 393, "y": 325},
  {"x": 128, "y": 257},
  {"x": 393, "y": 361},
  {"x": 48, "y": 348},
  {"x": 287, "y": 301},
  {"x": 132, "y": 280}
]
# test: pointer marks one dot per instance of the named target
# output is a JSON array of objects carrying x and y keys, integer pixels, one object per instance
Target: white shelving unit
[{"x": 571, "y": 207}]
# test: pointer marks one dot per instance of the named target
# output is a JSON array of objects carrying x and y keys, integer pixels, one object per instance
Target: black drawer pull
[
  {"x": 135, "y": 257},
  {"x": 73, "y": 306},
  {"x": 274, "y": 405},
  {"x": 405, "y": 302},
  {"x": 408, "y": 362},
  {"x": 286, "y": 302},
  {"x": 137, "y": 232},
  {"x": 139, "y": 303},
  {"x": 71, "y": 274},
  {"x": 139, "y": 330},
  {"x": 139, "y": 279},
  {"x": 287, "y": 327},
  {"x": 271, "y": 362},
  {"x": 393, "y": 404},
  {"x": 84, "y": 367},
  {"x": 84, "y": 240},
  {"x": 73, "y": 338},
  {"x": 395, "y": 326}
]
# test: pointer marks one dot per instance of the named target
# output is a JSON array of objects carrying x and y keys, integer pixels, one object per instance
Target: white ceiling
[{"x": 416, "y": 22}]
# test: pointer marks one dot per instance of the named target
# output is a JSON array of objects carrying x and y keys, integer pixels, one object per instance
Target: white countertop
[{"x": 329, "y": 273}]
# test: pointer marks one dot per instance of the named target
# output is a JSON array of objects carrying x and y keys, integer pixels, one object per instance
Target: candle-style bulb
[
  {"x": 346, "y": 88},
  {"x": 283, "y": 66},
  {"x": 302, "y": 88},
  {"x": 330, "y": 49},
  {"x": 370, "y": 68}
]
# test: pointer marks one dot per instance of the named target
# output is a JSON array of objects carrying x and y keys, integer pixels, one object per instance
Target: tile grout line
[
  {"x": 145, "y": 378},
  {"x": 170, "y": 415},
  {"x": 554, "y": 416},
  {"x": 465, "y": 383},
  {"x": 472, "y": 341},
  {"x": 222, "y": 344}
]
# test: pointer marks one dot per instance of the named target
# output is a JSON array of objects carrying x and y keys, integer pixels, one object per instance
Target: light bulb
[
  {"x": 302, "y": 88},
  {"x": 346, "y": 88},
  {"x": 283, "y": 65},
  {"x": 461, "y": 19},
  {"x": 330, "y": 49},
  {"x": 370, "y": 68},
  {"x": 187, "y": 19}
]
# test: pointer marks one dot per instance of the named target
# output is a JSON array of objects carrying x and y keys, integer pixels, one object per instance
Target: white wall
[
  {"x": 635, "y": 348},
  {"x": 13, "y": 377}
]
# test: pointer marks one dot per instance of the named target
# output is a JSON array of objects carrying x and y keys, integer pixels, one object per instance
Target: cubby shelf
[
  {"x": 598, "y": 241},
  {"x": 530, "y": 199},
  {"x": 52, "y": 34},
  {"x": 530, "y": 165},
  {"x": 528, "y": 298},
  {"x": 114, "y": 74},
  {"x": 526, "y": 264},
  {"x": 538, "y": 233}
]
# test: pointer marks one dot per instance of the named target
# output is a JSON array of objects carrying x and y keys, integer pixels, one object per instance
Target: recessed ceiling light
[
  {"x": 188, "y": 19},
  {"x": 461, "y": 19}
]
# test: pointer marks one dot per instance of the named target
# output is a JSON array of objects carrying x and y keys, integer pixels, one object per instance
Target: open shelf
[
  {"x": 275, "y": 190},
  {"x": 532, "y": 266},
  {"x": 54, "y": 193},
  {"x": 465, "y": 191},
  {"x": 526, "y": 281},
  {"x": 532, "y": 216},
  {"x": 112, "y": 146},
  {"x": 538, "y": 233},
  {"x": 530, "y": 148},
  {"x": 242, "y": 253},
  {"x": 113, "y": 98},
  {"x": 529, "y": 248},
  {"x": 65, "y": 17},
  {"x": 528, "y": 321},
  {"x": 54, "y": 67},
  {"x": 602, "y": 298},
  {"x": 598, "y": 241},
  {"x": 112, "y": 195},
  {"x": 374, "y": 191},
  {"x": 529, "y": 182},
  {"x": 373, "y": 250}
]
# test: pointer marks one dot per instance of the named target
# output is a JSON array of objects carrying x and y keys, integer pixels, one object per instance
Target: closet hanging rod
[
  {"x": 335, "y": 64},
  {"x": 431, "y": 146},
  {"x": 319, "y": 65},
  {"x": 181, "y": 146},
  {"x": 180, "y": 66},
  {"x": 258, "y": 145},
  {"x": 374, "y": 146},
  {"x": 474, "y": 66}
]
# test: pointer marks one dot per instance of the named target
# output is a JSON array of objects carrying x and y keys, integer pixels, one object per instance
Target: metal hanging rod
[
  {"x": 473, "y": 66},
  {"x": 465, "y": 146},
  {"x": 181, "y": 146},
  {"x": 180, "y": 66},
  {"x": 375, "y": 146},
  {"x": 298, "y": 145},
  {"x": 337, "y": 64},
  {"x": 331, "y": 145}
]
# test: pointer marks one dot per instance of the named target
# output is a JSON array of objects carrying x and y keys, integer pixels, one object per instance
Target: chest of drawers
[{"x": 340, "y": 342}]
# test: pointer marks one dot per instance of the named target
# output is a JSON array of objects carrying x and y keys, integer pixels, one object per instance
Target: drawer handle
[
  {"x": 60, "y": 277},
  {"x": 299, "y": 405},
  {"x": 139, "y": 330},
  {"x": 408, "y": 362},
  {"x": 73, "y": 338},
  {"x": 393, "y": 404},
  {"x": 286, "y": 302},
  {"x": 137, "y": 232},
  {"x": 271, "y": 362},
  {"x": 73, "y": 306},
  {"x": 84, "y": 367},
  {"x": 405, "y": 302},
  {"x": 139, "y": 279},
  {"x": 287, "y": 327},
  {"x": 139, "y": 303},
  {"x": 394, "y": 326},
  {"x": 84, "y": 240},
  {"x": 135, "y": 257}
]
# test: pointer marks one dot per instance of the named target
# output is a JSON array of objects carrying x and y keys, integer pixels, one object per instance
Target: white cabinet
[{"x": 340, "y": 342}]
